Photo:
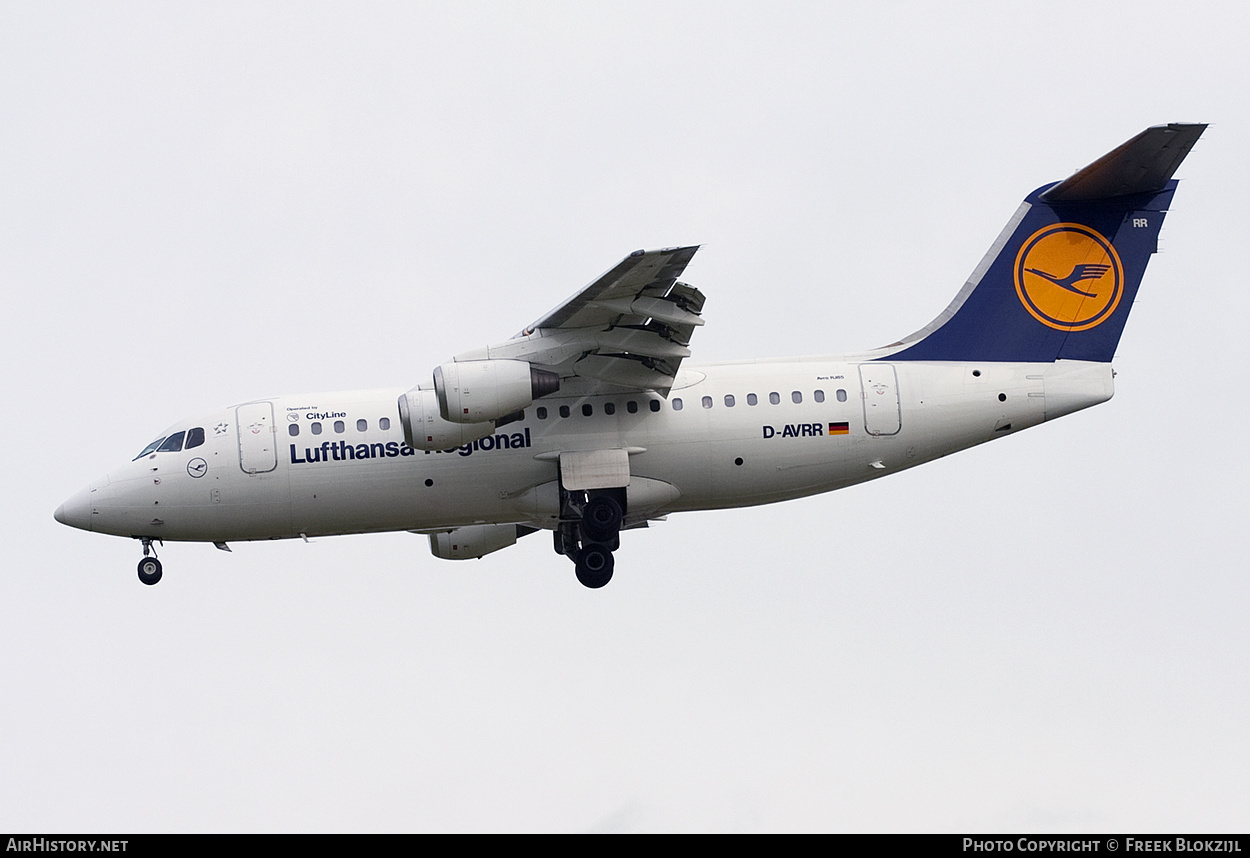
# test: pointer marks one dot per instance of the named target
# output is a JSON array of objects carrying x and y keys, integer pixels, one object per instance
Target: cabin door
[
  {"x": 879, "y": 390},
  {"x": 258, "y": 453}
]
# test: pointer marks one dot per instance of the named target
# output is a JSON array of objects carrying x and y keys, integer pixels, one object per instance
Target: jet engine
[
  {"x": 476, "y": 391},
  {"x": 475, "y": 540},
  {"x": 425, "y": 429}
]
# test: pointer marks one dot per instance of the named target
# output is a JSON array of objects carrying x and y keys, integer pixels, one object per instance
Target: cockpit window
[
  {"x": 173, "y": 443},
  {"x": 150, "y": 448}
]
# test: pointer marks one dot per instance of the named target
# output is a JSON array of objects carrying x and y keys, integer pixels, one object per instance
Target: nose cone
[{"x": 76, "y": 512}]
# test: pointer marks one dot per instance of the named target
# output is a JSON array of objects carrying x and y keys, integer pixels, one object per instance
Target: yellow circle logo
[{"x": 1069, "y": 277}]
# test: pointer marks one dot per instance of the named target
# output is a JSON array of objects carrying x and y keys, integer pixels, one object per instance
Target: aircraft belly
[{"x": 420, "y": 491}]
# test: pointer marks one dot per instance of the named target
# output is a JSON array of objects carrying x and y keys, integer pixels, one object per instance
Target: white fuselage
[{"x": 336, "y": 463}]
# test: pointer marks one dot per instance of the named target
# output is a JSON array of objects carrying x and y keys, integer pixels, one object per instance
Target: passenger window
[
  {"x": 774, "y": 398},
  {"x": 729, "y": 400},
  {"x": 293, "y": 429},
  {"x": 384, "y": 423},
  {"x": 316, "y": 428},
  {"x": 752, "y": 399},
  {"x": 541, "y": 412},
  {"x": 172, "y": 444},
  {"x": 841, "y": 396},
  {"x": 631, "y": 407},
  {"x": 338, "y": 427},
  {"x": 564, "y": 411},
  {"x": 796, "y": 397},
  {"x": 195, "y": 437},
  {"x": 609, "y": 408},
  {"x": 707, "y": 402},
  {"x": 655, "y": 405},
  {"x": 587, "y": 410},
  {"x": 819, "y": 396},
  {"x": 676, "y": 404},
  {"x": 362, "y": 425}
]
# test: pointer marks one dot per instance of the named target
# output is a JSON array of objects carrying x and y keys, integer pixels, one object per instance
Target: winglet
[{"x": 1143, "y": 165}]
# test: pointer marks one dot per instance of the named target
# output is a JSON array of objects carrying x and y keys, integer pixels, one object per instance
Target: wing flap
[
  {"x": 642, "y": 341},
  {"x": 625, "y": 371},
  {"x": 665, "y": 310}
]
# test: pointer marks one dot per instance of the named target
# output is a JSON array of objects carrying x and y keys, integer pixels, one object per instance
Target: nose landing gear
[{"x": 149, "y": 567}]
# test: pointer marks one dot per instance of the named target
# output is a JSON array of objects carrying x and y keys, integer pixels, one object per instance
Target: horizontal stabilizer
[{"x": 1143, "y": 165}]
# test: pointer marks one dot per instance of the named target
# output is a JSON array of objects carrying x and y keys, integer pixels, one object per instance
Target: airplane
[{"x": 589, "y": 422}]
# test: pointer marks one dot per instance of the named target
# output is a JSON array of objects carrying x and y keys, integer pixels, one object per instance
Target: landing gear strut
[
  {"x": 590, "y": 532},
  {"x": 149, "y": 567}
]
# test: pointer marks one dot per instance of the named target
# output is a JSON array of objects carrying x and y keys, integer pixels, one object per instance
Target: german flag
[{"x": 839, "y": 429}]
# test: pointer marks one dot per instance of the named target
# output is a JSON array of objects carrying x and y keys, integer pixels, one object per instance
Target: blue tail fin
[{"x": 1061, "y": 278}]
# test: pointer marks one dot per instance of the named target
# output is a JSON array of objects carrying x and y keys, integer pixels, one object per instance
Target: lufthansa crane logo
[{"x": 1069, "y": 277}]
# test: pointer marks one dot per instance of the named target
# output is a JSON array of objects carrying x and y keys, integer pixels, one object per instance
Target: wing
[{"x": 630, "y": 328}]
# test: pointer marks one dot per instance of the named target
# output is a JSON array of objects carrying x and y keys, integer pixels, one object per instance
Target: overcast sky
[{"x": 202, "y": 204}]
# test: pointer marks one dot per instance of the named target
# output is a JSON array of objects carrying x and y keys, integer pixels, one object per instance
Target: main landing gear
[
  {"x": 149, "y": 567},
  {"x": 589, "y": 533}
]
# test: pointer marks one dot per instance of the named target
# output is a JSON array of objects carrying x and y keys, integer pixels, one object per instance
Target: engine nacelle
[
  {"x": 475, "y": 391},
  {"x": 425, "y": 429},
  {"x": 472, "y": 541}
]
